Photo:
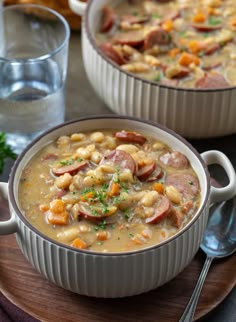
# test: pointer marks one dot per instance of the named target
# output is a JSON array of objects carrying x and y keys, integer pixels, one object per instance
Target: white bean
[
  {"x": 68, "y": 234},
  {"x": 149, "y": 198},
  {"x": 63, "y": 181},
  {"x": 97, "y": 137},
  {"x": 129, "y": 148},
  {"x": 173, "y": 194}
]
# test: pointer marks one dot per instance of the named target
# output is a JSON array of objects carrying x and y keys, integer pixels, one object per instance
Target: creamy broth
[
  {"x": 109, "y": 191},
  {"x": 183, "y": 43}
]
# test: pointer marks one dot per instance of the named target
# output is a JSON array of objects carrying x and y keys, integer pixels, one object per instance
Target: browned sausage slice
[
  {"x": 212, "y": 81},
  {"x": 158, "y": 36},
  {"x": 132, "y": 19},
  {"x": 130, "y": 38},
  {"x": 72, "y": 168},
  {"x": 211, "y": 49},
  {"x": 205, "y": 27},
  {"x": 131, "y": 137},
  {"x": 108, "y": 19},
  {"x": 144, "y": 172},
  {"x": 86, "y": 212},
  {"x": 121, "y": 158},
  {"x": 112, "y": 54},
  {"x": 185, "y": 183},
  {"x": 175, "y": 160},
  {"x": 171, "y": 15},
  {"x": 211, "y": 65},
  {"x": 162, "y": 207},
  {"x": 157, "y": 174}
]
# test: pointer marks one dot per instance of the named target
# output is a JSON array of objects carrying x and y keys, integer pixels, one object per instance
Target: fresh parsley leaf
[
  {"x": 5, "y": 151},
  {"x": 213, "y": 21}
]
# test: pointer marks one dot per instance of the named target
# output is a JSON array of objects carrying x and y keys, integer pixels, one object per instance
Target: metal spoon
[{"x": 219, "y": 241}]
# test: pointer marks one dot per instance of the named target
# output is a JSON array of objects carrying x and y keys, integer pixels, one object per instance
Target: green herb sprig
[{"x": 5, "y": 151}]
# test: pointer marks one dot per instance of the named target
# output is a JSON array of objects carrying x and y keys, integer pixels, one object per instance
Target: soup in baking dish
[
  {"x": 109, "y": 191},
  {"x": 183, "y": 43}
]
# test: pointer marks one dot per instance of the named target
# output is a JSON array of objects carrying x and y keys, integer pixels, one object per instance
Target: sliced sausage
[
  {"x": 144, "y": 172},
  {"x": 185, "y": 183},
  {"x": 206, "y": 28},
  {"x": 132, "y": 19},
  {"x": 175, "y": 160},
  {"x": 86, "y": 212},
  {"x": 130, "y": 38},
  {"x": 172, "y": 15},
  {"x": 158, "y": 36},
  {"x": 121, "y": 158},
  {"x": 162, "y": 207},
  {"x": 211, "y": 65},
  {"x": 108, "y": 19},
  {"x": 212, "y": 81},
  {"x": 177, "y": 217},
  {"x": 155, "y": 175},
  {"x": 72, "y": 168},
  {"x": 131, "y": 137},
  {"x": 211, "y": 49},
  {"x": 112, "y": 54}
]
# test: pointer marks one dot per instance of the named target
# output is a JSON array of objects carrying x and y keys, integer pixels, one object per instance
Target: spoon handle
[{"x": 192, "y": 304}]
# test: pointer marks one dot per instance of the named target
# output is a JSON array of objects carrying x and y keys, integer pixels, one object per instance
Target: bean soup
[
  {"x": 183, "y": 43},
  {"x": 109, "y": 191}
]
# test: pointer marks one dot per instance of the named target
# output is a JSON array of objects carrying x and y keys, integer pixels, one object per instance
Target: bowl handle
[
  {"x": 229, "y": 191},
  {"x": 9, "y": 226},
  {"x": 78, "y": 7}
]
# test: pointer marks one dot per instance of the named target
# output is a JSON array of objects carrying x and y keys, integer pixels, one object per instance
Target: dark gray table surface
[{"x": 81, "y": 101}]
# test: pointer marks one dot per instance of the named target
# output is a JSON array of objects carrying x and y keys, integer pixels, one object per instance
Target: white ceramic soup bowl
[
  {"x": 114, "y": 274},
  {"x": 193, "y": 113}
]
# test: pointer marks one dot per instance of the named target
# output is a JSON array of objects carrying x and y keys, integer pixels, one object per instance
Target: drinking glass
[{"x": 33, "y": 67}]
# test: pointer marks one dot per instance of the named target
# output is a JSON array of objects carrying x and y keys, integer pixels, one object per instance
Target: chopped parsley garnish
[
  {"x": 156, "y": 16},
  {"x": 67, "y": 162},
  {"x": 100, "y": 243},
  {"x": 214, "y": 21},
  {"x": 158, "y": 77},
  {"x": 183, "y": 34},
  {"x": 130, "y": 235},
  {"x": 191, "y": 183}
]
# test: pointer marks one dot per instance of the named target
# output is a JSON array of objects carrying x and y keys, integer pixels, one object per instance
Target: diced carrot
[
  {"x": 167, "y": 25},
  {"x": 102, "y": 235},
  {"x": 186, "y": 206},
  {"x": 115, "y": 189},
  {"x": 60, "y": 219},
  {"x": 210, "y": 10},
  {"x": 57, "y": 206},
  {"x": 159, "y": 187},
  {"x": 199, "y": 17},
  {"x": 233, "y": 23},
  {"x": 146, "y": 233},
  {"x": 87, "y": 196},
  {"x": 196, "y": 46},
  {"x": 79, "y": 243},
  {"x": 141, "y": 163},
  {"x": 136, "y": 240},
  {"x": 174, "y": 52},
  {"x": 43, "y": 207},
  {"x": 186, "y": 59}
]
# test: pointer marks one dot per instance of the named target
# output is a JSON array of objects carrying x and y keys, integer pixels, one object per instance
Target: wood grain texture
[{"x": 24, "y": 287}]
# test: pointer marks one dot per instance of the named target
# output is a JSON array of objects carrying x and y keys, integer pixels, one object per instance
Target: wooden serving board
[{"x": 24, "y": 287}]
